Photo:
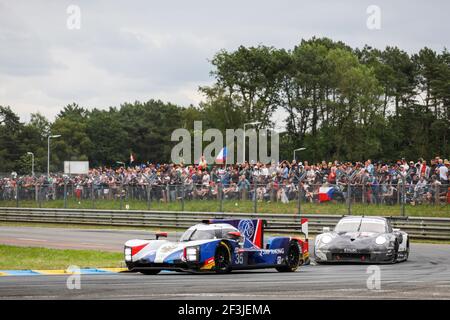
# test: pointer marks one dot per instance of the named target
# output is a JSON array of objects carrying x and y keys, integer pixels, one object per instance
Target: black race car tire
[
  {"x": 222, "y": 258},
  {"x": 395, "y": 256},
  {"x": 407, "y": 251},
  {"x": 406, "y": 256},
  {"x": 292, "y": 258}
]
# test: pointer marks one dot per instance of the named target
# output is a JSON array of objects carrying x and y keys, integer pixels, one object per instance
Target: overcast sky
[{"x": 139, "y": 50}]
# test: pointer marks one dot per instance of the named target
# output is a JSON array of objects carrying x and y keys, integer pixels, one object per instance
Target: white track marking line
[
  {"x": 29, "y": 239},
  {"x": 93, "y": 244}
]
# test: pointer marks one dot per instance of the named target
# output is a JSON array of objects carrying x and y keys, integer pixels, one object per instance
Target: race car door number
[{"x": 240, "y": 258}]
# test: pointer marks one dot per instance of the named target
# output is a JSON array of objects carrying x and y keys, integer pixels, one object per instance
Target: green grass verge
[
  {"x": 16, "y": 258},
  {"x": 245, "y": 206}
]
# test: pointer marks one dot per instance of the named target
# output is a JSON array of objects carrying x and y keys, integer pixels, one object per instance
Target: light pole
[
  {"x": 299, "y": 149},
  {"x": 243, "y": 153},
  {"x": 32, "y": 162},
  {"x": 48, "y": 152}
]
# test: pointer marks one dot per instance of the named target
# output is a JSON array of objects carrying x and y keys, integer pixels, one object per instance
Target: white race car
[{"x": 362, "y": 239}]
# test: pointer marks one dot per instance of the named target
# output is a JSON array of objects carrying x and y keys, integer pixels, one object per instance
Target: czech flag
[
  {"x": 131, "y": 158},
  {"x": 222, "y": 156},
  {"x": 325, "y": 194}
]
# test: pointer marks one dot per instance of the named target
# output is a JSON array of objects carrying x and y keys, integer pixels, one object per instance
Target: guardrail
[{"x": 417, "y": 227}]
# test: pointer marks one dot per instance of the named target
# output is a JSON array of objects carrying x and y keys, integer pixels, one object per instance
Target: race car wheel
[
  {"x": 292, "y": 258},
  {"x": 407, "y": 251},
  {"x": 395, "y": 255},
  {"x": 222, "y": 259},
  {"x": 150, "y": 272}
]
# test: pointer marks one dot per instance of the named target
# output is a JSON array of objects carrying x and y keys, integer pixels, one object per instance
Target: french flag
[
  {"x": 325, "y": 194},
  {"x": 222, "y": 156}
]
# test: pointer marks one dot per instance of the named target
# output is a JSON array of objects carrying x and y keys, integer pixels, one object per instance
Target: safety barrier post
[
  {"x": 436, "y": 194},
  {"x": 255, "y": 202},
  {"x": 17, "y": 194},
  {"x": 39, "y": 194},
  {"x": 121, "y": 194},
  {"x": 65, "y": 194},
  {"x": 92, "y": 195},
  {"x": 300, "y": 193},
  {"x": 168, "y": 193},
  {"x": 149, "y": 190},
  {"x": 349, "y": 198},
  {"x": 182, "y": 197},
  {"x": 363, "y": 196},
  {"x": 403, "y": 196},
  {"x": 220, "y": 197}
]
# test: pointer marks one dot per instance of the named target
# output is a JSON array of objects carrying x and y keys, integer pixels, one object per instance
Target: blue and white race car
[{"x": 219, "y": 246}]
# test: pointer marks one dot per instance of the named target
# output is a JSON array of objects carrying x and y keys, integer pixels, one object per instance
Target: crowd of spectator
[{"x": 414, "y": 182}]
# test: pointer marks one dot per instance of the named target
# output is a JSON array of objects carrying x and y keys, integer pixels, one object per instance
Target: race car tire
[
  {"x": 150, "y": 272},
  {"x": 407, "y": 251},
  {"x": 222, "y": 258},
  {"x": 395, "y": 255},
  {"x": 406, "y": 255},
  {"x": 292, "y": 258}
]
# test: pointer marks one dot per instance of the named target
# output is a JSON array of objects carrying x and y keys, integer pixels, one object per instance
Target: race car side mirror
[
  {"x": 326, "y": 229},
  {"x": 161, "y": 234},
  {"x": 234, "y": 234}
]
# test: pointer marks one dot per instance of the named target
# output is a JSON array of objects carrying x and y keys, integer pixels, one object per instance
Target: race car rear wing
[
  {"x": 303, "y": 228},
  {"x": 252, "y": 229},
  {"x": 260, "y": 225}
]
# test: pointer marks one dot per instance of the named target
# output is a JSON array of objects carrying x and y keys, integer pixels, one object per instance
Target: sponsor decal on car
[
  {"x": 247, "y": 228},
  {"x": 209, "y": 264},
  {"x": 272, "y": 251}
]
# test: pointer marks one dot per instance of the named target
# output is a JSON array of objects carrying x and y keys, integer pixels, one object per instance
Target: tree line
[{"x": 340, "y": 103}]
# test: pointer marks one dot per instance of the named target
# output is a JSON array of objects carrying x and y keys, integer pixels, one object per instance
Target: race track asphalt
[{"x": 426, "y": 275}]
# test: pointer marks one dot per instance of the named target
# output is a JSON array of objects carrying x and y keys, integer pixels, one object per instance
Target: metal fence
[{"x": 218, "y": 197}]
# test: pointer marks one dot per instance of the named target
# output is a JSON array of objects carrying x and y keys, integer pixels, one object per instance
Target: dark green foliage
[
  {"x": 340, "y": 103},
  {"x": 100, "y": 136}
]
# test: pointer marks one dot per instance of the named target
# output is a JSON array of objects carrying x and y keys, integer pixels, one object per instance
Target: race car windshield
[
  {"x": 347, "y": 226},
  {"x": 372, "y": 226},
  {"x": 360, "y": 225},
  {"x": 195, "y": 234}
]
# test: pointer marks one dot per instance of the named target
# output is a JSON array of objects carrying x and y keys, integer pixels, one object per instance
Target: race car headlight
[
  {"x": 127, "y": 254},
  {"x": 192, "y": 253},
  {"x": 325, "y": 239},
  {"x": 380, "y": 240}
]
